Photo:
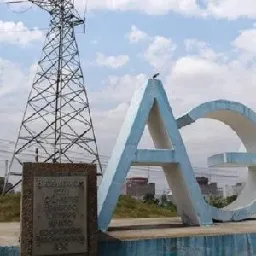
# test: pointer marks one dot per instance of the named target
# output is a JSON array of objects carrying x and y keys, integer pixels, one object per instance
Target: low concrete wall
[
  {"x": 240, "y": 244},
  {"x": 9, "y": 251}
]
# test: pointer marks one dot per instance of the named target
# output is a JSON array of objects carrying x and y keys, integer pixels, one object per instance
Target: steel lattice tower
[{"x": 57, "y": 121}]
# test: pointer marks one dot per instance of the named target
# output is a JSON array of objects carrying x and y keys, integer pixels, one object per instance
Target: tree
[
  {"x": 231, "y": 199},
  {"x": 217, "y": 201},
  {"x": 220, "y": 202}
]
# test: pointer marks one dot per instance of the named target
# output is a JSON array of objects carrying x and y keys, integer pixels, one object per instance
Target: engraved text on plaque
[{"x": 59, "y": 218}]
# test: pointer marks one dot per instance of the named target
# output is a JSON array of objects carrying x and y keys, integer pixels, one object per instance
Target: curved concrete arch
[{"x": 242, "y": 120}]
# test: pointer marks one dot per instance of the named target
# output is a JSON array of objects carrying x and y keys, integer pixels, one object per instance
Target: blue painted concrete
[
  {"x": 9, "y": 251},
  {"x": 232, "y": 158},
  {"x": 203, "y": 109},
  {"x": 154, "y": 157},
  {"x": 125, "y": 151},
  {"x": 245, "y": 118},
  {"x": 231, "y": 245},
  {"x": 123, "y": 154},
  {"x": 228, "y": 245},
  {"x": 195, "y": 210}
]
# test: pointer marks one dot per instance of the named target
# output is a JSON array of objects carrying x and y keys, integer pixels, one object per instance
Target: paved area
[
  {"x": 9, "y": 234},
  {"x": 133, "y": 229}
]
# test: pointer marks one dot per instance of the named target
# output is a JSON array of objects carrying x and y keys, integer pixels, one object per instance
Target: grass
[
  {"x": 127, "y": 207},
  {"x": 10, "y": 208}
]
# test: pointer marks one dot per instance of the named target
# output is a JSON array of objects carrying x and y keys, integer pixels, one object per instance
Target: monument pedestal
[{"x": 59, "y": 210}]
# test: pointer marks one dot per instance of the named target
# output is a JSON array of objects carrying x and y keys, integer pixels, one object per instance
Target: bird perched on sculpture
[{"x": 156, "y": 75}]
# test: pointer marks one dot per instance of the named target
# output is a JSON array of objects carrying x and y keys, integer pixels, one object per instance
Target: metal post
[
  {"x": 36, "y": 157},
  {"x": 5, "y": 175}
]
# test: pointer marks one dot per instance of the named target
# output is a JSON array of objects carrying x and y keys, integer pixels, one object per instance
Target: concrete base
[
  {"x": 169, "y": 237},
  {"x": 154, "y": 228},
  {"x": 160, "y": 237},
  {"x": 9, "y": 234}
]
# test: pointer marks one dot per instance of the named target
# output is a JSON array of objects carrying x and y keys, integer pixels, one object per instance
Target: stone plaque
[
  {"x": 59, "y": 216},
  {"x": 58, "y": 210}
]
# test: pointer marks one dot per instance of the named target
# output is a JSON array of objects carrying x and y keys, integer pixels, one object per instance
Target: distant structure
[
  {"x": 138, "y": 187},
  {"x": 57, "y": 122},
  {"x": 232, "y": 190},
  {"x": 207, "y": 188}
]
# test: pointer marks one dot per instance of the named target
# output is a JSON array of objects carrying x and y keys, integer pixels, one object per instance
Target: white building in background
[
  {"x": 169, "y": 196},
  {"x": 243, "y": 172},
  {"x": 230, "y": 190},
  {"x": 227, "y": 191}
]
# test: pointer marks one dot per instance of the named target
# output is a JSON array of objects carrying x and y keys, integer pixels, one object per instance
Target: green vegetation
[
  {"x": 10, "y": 208},
  {"x": 127, "y": 207},
  {"x": 221, "y": 202}
]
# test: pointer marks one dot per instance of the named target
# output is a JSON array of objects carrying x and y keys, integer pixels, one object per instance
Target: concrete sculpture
[{"x": 150, "y": 106}]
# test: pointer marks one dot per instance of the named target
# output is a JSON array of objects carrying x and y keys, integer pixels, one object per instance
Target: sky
[{"x": 204, "y": 50}]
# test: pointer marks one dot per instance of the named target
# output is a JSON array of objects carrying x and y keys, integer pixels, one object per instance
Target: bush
[
  {"x": 150, "y": 199},
  {"x": 220, "y": 202}
]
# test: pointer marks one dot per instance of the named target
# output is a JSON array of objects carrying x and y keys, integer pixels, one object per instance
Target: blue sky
[{"x": 202, "y": 54}]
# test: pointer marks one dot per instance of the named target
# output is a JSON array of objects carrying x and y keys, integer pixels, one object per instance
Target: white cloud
[
  {"x": 112, "y": 61},
  {"x": 147, "y": 6},
  {"x": 14, "y": 91},
  {"x": 194, "y": 46},
  {"x": 117, "y": 90},
  {"x": 136, "y": 35},
  {"x": 159, "y": 52},
  {"x": 8, "y": 82},
  {"x": 18, "y": 33},
  {"x": 231, "y": 9},
  {"x": 246, "y": 41}
]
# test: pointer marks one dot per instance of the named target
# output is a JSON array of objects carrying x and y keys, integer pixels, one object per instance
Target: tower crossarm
[{"x": 55, "y": 7}]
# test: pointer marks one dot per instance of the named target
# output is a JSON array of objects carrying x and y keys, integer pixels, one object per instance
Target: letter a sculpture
[{"x": 150, "y": 106}]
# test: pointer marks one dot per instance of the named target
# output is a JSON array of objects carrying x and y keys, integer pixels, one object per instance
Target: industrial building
[{"x": 138, "y": 187}]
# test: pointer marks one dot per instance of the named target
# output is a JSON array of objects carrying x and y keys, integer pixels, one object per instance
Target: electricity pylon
[{"x": 57, "y": 122}]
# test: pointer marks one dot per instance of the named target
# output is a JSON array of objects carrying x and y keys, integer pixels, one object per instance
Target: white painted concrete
[
  {"x": 246, "y": 131},
  {"x": 174, "y": 177}
]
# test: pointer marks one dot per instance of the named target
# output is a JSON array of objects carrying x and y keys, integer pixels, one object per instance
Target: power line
[
  {"x": 105, "y": 158},
  {"x": 101, "y": 155}
]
